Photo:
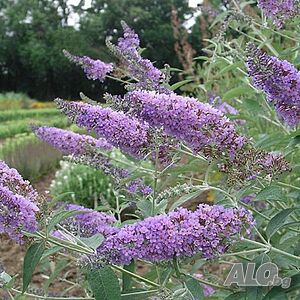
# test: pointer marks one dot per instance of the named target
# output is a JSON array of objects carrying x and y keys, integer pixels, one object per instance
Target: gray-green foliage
[{"x": 82, "y": 185}]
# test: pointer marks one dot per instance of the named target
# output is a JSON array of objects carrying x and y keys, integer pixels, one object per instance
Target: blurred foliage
[
  {"x": 19, "y": 114},
  {"x": 83, "y": 185},
  {"x": 34, "y": 32},
  {"x": 31, "y": 157},
  {"x": 11, "y": 128},
  {"x": 13, "y": 100}
]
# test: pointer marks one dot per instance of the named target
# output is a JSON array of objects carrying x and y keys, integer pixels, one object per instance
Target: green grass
[
  {"x": 12, "y": 128},
  {"x": 19, "y": 114},
  {"x": 13, "y": 100}
]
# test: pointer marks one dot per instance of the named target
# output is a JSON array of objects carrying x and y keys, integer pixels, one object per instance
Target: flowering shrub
[{"x": 231, "y": 130}]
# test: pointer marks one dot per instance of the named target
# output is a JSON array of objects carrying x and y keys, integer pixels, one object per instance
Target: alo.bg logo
[{"x": 265, "y": 275}]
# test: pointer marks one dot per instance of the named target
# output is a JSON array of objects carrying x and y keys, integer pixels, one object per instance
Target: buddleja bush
[
  {"x": 83, "y": 185},
  {"x": 233, "y": 133}
]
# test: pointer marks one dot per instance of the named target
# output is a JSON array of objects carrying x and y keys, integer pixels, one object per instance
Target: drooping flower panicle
[
  {"x": 69, "y": 142},
  {"x": 147, "y": 75},
  {"x": 279, "y": 79},
  {"x": 181, "y": 233},
  {"x": 10, "y": 178},
  {"x": 279, "y": 11},
  {"x": 94, "y": 69},
  {"x": 16, "y": 214},
  {"x": 88, "y": 223},
  {"x": 122, "y": 131},
  {"x": 18, "y": 204}
]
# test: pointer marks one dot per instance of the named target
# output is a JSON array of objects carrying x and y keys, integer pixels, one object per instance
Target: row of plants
[
  {"x": 12, "y": 100},
  {"x": 12, "y": 128},
  {"x": 20, "y": 114},
  {"x": 30, "y": 156},
  {"x": 17, "y": 101}
]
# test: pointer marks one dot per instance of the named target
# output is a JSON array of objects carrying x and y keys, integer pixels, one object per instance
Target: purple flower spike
[
  {"x": 16, "y": 214},
  {"x": 147, "y": 75},
  {"x": 69, "y": 142},
  {"x": 209, "y": 230},
  {"x": 279, "y": 10},
  {"x": 11, "y": 179},
  {"x": 94, "y": 69},
  {"x": 279, "y": 79},
  {"x": 88, "y": 223},
  {"x": 198, "y": 124},
  {"x": 122, "y": 131}
]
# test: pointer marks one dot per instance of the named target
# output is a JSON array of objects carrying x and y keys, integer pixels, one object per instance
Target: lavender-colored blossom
[
  {"x": 209, "y": 230},
  {"x": 16, "y": 214},
  {"x": 127, "y": 49},
  {"x": 137, "y": 186},
  {"x": 122, "y": 131},
  {"x": 222, "y": 106},
  {"x": 198, "y": 124},
  {"x": 251, "y": 163},
  {"x": 88, "y": 223},
  {"x": 69, "y": 142},
  {"x": 10, "y": 178},
  {"x": 207, "y": 290},
  {"x": 279, "y": 79},
  {"x": 279, "y": 11},
  {"x": 94, "y": 69},
  {"x": 249, "y": 199}
]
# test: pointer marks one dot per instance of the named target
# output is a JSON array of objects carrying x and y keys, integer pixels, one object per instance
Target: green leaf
[
  {"x": 278, "y": 221},
  {"x": 177, "y": 85},
  {"x": 51, "y": 251},
  {"x": 238, "y": 91},
  {"x": 195, "y": 288},
  {"x": 254, "y": 293},
  {"x": 31, "y": 260},
  {"x": 273, "y": 193},
  {"x": 62, "y": 215},
  {"x": 127, "y": 279},
  {"x": 252, "y": 106},
  {"x": 230, "y": 67},
  {"x": 186, "y": 198},
  {"x": 236, "y": 296},
  {"x": 295, "y": 141},
  {"x": 5, "y": 279},
  {"x": 104, "y": 284},
  {"x": 94, "y": 241},
  {"x": 145, "y": 206}
]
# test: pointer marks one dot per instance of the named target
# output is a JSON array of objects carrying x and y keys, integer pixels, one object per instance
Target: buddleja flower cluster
[
  {"x": 152, "y": 111},
  {"x": 94, "y": 69},
  {"x": 279, "y": 11},
  {"x": 181, "y": 233},
  {"x": 147, "y": 75},
  {"x": 197, "y": 124},
  {"x": 122, "y": 131},
  {"x": 86, "y": 223},
  {"x": 18, "y": 204},
  {"x": 206, "y": 129},
  {"x": 69, "y": 142},
  {"x": 279, "y": 79}
]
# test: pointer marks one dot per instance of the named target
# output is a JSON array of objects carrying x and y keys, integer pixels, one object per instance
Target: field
[{"x": 18, "y": 145}]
